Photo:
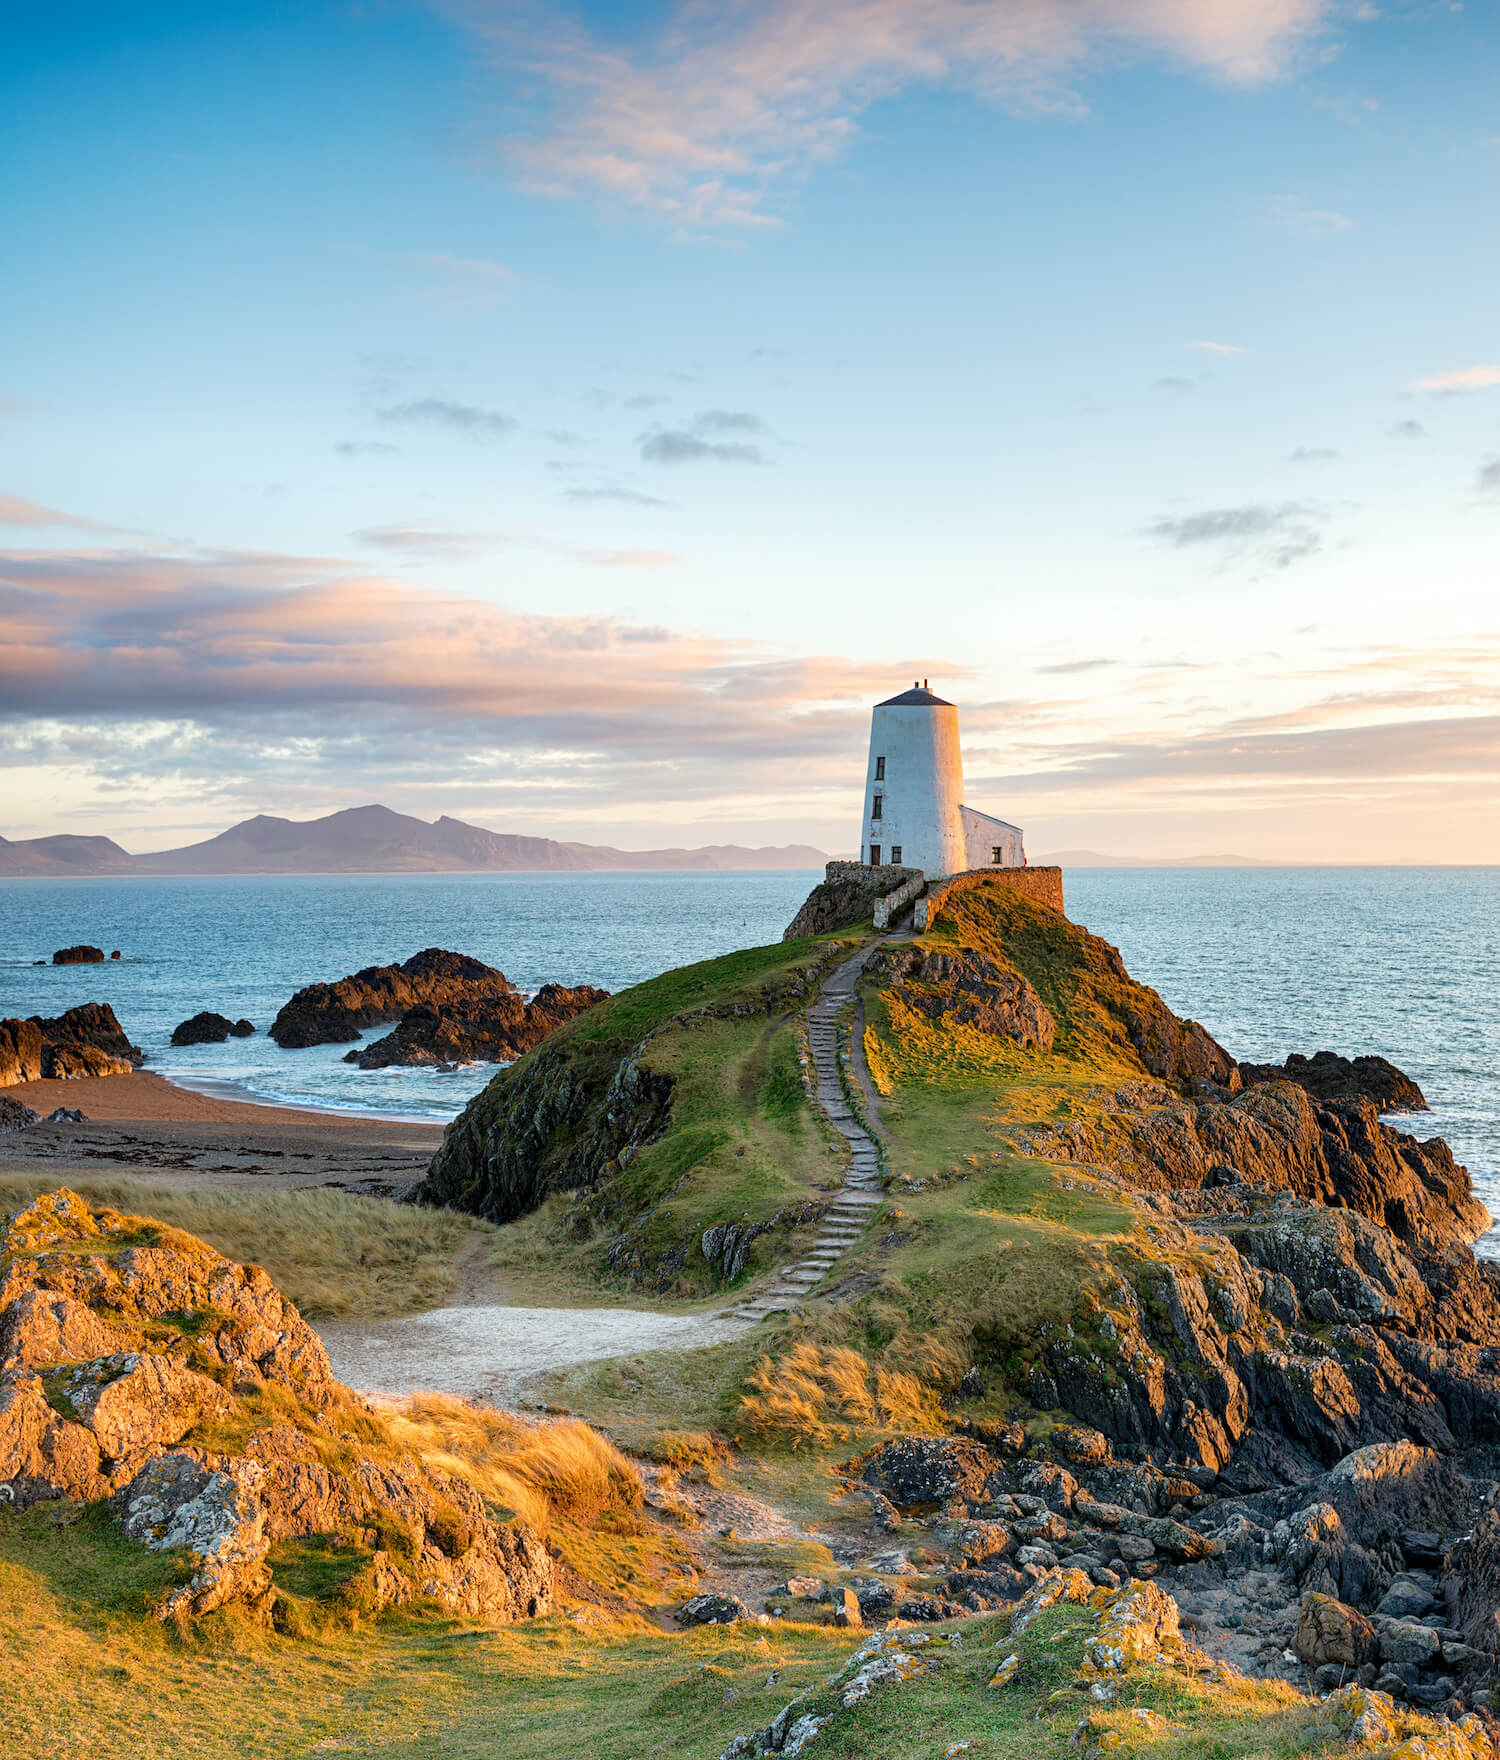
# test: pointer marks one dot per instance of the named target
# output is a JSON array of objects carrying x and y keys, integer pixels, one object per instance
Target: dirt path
[{"x": 490, "y": 1353}]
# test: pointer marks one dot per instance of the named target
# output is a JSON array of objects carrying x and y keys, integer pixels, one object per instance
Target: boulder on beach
[
  {"x": 491, "y": 1029},
  {"x": 84, "y": 1041},
  {"x": 333, "y": 1014},
  {"x": 203, "y": 1029},
  {"x": 14, "y": 1116},
  {"x": 82, "y": 955}
]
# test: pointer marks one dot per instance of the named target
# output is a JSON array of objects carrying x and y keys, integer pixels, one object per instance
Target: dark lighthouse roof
[{"x": 918, "y": 697}]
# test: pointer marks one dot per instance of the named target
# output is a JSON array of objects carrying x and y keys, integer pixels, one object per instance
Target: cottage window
[
  {"x": 880, "y": 769},
  {"x": 997, "y": 855},
  {"x": 896, "y": 854},
  {"x": 877, "y": 807}
]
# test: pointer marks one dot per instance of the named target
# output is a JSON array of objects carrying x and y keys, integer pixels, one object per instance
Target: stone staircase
[{"x": 848, "y": 1215}]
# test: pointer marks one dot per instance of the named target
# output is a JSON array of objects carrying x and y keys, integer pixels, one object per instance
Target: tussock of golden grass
[
  {"x": 337, "y": 1256},
  {"x": 819, "y": 1394},
  {"x": 692, "y": 1453},
  {"x": 561, "y": 1471}
]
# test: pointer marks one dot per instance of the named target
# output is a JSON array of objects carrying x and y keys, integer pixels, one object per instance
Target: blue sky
[{"x": 573, "y": 420}]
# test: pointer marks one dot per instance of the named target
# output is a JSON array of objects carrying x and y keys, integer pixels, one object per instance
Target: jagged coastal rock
[
  {"x": 332, "y": 1014},
  {"x": 138, "y": 1366},
  {"x": 84, "y": 1041},
  {"x": 82, "y": 955},
  {"x": 1327, "y": 1076},
  {"x": 485, "y": 1029},
  {"x": 208, "y": 1028}
]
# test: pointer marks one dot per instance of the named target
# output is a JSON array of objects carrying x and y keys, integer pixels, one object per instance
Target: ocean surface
[{"x": 1399, "y": 961}]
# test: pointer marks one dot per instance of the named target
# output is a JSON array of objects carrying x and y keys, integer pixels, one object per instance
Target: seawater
[
  {"x": 1399, "y": 961},
  {"x": 241, "y": 947}
]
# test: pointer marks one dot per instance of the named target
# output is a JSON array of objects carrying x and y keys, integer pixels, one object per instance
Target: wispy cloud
[
  {"x": 584, "y": 493},
  {"x": 1219, "y": 348},
  {"x": 1488, "y": 482},
  {"x": 426, "y": 541},
  {"x": 1311, "y": 455},
  {"x": 365, "y": 448},
  {"x": 704, "y": 114},
  {"x": 1173, "y": 383},
  {"x": 458, "y": 418},
  {"x": 1454, "y": 384},
  {"x": 1070, "y": 666},
  {"x": 466, "y": 281},
  {"x": 16, "y": 511},
  {"x": 1295, "y": 215},
  {"x": 1286, "y": 533},
  {"x": 1409, "y": 429},
  {"x": 701, "y": 439}
]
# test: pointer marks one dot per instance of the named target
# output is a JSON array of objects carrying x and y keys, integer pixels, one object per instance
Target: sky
[{"x": 573, "y": 419}]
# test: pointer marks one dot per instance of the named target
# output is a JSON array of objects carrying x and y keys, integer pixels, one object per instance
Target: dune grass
[{"x": 338, "y": 1256}]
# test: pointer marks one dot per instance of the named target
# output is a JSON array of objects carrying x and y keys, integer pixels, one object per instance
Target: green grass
[
  {"x": 90, "y": 1675},
  {"x": 336, "y": 1255}
]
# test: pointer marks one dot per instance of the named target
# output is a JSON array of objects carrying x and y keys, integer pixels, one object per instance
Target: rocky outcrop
[
  {"x": 14, "y": 1116},
  {"x": 82, "y": 955},
  {"x": 85, "y": 1041},
  {"x": 965, "y": 989},
  {"x": 138, "y": 1365},
  {"x": 332, "y": 1014},
  {"x": 846, "y": 897},
  {"x": 210, "y": 1029},
  {"x": 1327, "y": 1076},
  {"x": 486, "y": 1029}
]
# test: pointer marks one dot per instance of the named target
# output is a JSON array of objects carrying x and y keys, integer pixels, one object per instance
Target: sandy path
[
  {"x": 148, "y": 1097},
  {"x": 489, "y": 1353}
]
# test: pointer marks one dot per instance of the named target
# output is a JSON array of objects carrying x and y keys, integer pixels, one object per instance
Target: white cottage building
[{"x": 914, "y": 812}]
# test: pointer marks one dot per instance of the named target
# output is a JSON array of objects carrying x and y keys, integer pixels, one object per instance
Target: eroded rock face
[
  {"x": 84, "y": 1041},
  {"x": 122, "y": 1362},
  {"x": 489, "y": 1029},
  {"x": 966, "y": 990},
  {"x": 331, "y": 1014}
]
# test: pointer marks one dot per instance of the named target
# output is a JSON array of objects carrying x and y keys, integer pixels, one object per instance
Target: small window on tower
[
  {"x": 896, "y": 854},
  {"x": 997, "y": 855},
  {"x": 877, "y": 807},
  {"x": 880, "y": 769}
]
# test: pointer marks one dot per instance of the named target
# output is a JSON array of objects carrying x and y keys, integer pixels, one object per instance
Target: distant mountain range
[{"x": 374, "y": 840}]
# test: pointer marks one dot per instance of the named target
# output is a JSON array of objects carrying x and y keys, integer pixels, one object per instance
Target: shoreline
[{"x": 147, "y": 1096}]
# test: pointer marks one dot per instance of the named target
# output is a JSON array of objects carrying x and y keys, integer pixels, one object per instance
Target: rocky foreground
[{"x": 141, "y": 1368}]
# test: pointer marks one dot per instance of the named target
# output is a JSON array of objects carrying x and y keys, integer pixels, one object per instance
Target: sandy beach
[{"x": 143, "y": 1126}]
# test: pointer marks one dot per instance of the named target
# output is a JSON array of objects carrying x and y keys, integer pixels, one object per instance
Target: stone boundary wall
[
  {"x": 890, "y": 907},
  {"x": 1042, "y": 884}
]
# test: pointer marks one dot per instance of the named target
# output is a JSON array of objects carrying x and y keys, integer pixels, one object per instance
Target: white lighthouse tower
[{"x": 914, "y": 812}]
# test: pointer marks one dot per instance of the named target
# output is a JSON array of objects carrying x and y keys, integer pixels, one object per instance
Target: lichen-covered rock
[
  {"x": 712, "y": 1610},
  {"x": 1328, "y": 1631},
  {"x": 1138, "y": 1624},
  {"x": 1060, "y": 1585},
  {"x": 132, "y": 1400},
  {"x": 923, "y": 1472},
  {"x": 174, "y": 1501},
  {"x": 119, "y": 1363},
  {"x": 1363, "y": 1717}
]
